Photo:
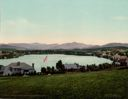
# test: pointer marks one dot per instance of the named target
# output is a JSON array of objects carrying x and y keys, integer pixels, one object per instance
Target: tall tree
[{"x": 60, "y": 66}]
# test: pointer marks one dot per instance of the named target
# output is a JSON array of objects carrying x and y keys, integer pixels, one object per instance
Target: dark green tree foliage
[
  {"x": 53, "y": 70},
  {"x": 49, "y": 69},
  {"x": 105, "y": 66},
  {"x": 92, "y": 67},
  {"x": 82, "y": 69},
  {"x": 60, "y": 67},
  {"x": 43, "y": 70},
  {"x": 126, "y": 53}
]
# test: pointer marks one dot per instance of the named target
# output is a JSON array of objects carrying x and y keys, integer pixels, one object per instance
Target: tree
[
  {"x": 43, "y": 70},
  {"x": 49, "y": 70},
  {"x": 53, "y": 69},
  {"x": 82, "y": 68},
  {"x": 60, "y": 66}
]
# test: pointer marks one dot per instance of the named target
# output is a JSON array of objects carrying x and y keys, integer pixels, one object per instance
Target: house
[
  {"x": 117, "y": 63},
  {"x": 74, "y": 67},
  {"x": 71, "y": 66},
  {"x": 1, "y": 69},
  {"x": 18, "y": 68},
  {"x": 116, "y": 57}
]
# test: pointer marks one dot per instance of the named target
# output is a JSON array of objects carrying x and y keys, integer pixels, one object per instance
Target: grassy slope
[{"x": 103, "y": 84}]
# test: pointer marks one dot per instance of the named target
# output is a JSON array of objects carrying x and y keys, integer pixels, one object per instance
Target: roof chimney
[{"x": 32, "y": 65}]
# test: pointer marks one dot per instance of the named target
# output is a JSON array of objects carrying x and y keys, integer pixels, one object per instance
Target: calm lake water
[{"x": 53, "y": 58}]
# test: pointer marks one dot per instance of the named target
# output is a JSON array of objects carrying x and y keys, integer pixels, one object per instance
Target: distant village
[{"x": 118, "y": 56}]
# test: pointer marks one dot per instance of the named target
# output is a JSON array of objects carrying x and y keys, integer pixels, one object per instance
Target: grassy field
[{"x": 91, "y": 85}]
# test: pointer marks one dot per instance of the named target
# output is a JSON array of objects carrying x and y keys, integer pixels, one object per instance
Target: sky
[{"x": 61, "y": 21}]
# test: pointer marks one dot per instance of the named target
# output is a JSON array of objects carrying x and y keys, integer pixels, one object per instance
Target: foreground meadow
[{"x": 90, "y": 85}]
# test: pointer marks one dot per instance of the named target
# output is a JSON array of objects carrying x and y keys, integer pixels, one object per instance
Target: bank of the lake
[
  {"x": 91, "y": 85},
  {"x": 52, "y": 59}
]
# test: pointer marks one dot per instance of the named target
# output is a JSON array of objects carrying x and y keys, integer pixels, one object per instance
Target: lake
[{"x": 52, "y": 59}]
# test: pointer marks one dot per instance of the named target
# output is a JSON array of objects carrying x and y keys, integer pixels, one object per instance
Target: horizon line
[{"x": 61, "y": 43}]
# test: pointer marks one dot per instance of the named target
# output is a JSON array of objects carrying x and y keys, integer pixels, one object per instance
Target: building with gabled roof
[{"x": 18, "y": 68}]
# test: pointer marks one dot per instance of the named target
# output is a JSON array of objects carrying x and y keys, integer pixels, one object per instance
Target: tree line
[{"x": 60, "y": 68}]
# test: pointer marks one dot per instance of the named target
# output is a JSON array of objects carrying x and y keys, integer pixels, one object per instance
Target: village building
[
  {"x": 117, "y": 63},
  {"x": 73, "y": 67},
  {"x": 103, "y": 54},
  {"x": 1, "y": 69},
  {"x": 120, "y": 60},
  {"x": 18, "y": 68},
  {"x": 118, "y": 57}
]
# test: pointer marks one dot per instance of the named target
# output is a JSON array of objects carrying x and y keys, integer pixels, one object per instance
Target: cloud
[
  {"x": 120, "y": 18},
  {"x": 21, "y": 27},
  {"x": 18, "y": 22}
]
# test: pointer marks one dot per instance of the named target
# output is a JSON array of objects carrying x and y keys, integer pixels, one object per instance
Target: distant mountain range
[
  {"x": 116, "y": 45},
  {"x": 73, "y": 45}
]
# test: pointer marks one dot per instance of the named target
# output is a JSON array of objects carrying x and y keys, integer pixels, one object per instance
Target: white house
[
  {"x": 18, "y": 68},
  {"x": 71, "y": 66},
  {"x": 117, "y": 63},
  {"x": 1, "y": 69},
  {"x": 116, "y": 57}
]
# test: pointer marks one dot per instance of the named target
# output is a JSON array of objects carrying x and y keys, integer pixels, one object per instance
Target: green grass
[{"x": 91, "y": 85}]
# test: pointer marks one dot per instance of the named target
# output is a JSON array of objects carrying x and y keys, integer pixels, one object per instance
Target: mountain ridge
[{"x": 72, "y": 45}]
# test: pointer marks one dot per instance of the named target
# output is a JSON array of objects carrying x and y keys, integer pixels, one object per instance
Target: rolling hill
[{"x": 73, "y": 45}]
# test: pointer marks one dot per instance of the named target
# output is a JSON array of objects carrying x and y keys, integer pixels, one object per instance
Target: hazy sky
[{"x": 60, "y": 21}]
